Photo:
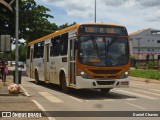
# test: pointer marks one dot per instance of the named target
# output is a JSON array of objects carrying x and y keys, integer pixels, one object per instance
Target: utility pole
[
  {"x": 17, "y": 37},
  {"x": 95, "y": 11}
]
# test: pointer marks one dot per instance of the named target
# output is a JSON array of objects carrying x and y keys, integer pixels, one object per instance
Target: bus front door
[
  {"x": 46, "y": 63},
  {"x": 72, "y": 63}
]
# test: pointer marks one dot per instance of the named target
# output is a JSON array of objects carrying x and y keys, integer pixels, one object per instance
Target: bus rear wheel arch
[{"x": 63, "y": 82}]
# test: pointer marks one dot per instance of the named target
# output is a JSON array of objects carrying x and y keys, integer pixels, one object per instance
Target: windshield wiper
[
  {"x": 107, "y": 50},
  {"x": 95, "y": 46}
]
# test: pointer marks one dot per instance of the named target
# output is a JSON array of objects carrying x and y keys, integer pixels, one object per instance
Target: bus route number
[
  {"x": 100, "y": 30},
  {"x": 110, "y": 30},
  {"x": 89, "y": 29}
]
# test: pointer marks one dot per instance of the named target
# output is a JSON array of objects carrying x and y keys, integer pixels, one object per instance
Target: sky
[{"x": 133, "y": 14}]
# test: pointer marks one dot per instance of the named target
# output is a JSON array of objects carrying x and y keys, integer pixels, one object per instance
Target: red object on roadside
[{"x": 6, "y": 70}]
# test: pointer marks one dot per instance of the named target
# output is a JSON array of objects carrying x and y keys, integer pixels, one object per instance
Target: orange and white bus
[{"x": 87, "y": 55}]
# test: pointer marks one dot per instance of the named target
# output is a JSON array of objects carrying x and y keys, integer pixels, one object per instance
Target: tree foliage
[
  {"x": 33, "y": 21},
  {"x": 33, "y": 24},
  {"x": 36, "y": 21},
  {"x": 66, "y": 25}
]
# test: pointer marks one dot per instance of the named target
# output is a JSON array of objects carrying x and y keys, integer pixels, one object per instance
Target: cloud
[
  {"x": 154, "y": 17},
  {"x": 81, "y": 8},
  {"x": 116, "y": 2},
  {"x": 134, "y": 14},
  {"x": 148, "y": 3},
  {"x": 141, "y": 3},
  {"x": 78, "y": 8}
]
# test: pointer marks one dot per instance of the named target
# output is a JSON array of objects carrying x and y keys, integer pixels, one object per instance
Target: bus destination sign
[{"x": 97, "y": 29}]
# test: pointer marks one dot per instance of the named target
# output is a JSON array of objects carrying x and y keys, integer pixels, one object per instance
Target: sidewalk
[
  {"x": 16, "y": 102},
  {"x": 145, "y": 80},
  {"x": 3, "y": 86}
]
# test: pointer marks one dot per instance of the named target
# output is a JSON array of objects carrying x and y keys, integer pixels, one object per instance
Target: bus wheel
[
  {"x": 63, "y": 83},
  {"x": 37, "y": 78},
  {"x": 105, "y": 90}
]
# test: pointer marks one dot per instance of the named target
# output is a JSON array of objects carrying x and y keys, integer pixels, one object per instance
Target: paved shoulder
[{"x": 145, "y": 80}]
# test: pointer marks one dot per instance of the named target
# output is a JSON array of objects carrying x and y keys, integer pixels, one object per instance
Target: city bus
[{"x": 82, "y": 56}]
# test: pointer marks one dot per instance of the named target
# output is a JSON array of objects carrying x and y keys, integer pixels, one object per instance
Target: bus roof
[{"x": 66, "y": 30}]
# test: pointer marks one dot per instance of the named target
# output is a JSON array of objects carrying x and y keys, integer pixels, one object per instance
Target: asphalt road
[{"x": 140, "y": 96}]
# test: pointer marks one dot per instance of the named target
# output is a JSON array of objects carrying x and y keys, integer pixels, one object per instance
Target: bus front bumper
[{"x": 93, "y": 83}]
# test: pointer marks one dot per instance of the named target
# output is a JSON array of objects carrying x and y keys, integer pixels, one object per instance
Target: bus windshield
[{"x": 103, "y": 51}]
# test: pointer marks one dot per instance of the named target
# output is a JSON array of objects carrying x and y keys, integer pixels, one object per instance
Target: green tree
[
  {"x": 22, "y": 52},
  {"x": 33, "y": 21},
  {"x": 66, "y": 25}
]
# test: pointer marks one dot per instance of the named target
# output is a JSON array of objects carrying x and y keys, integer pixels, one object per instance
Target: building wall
[{"x": 144, "y": 43}]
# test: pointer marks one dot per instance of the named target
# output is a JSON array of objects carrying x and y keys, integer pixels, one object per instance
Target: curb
[
  {"x": 24, "y": 91},
  {"x": 145, "y": 80}
]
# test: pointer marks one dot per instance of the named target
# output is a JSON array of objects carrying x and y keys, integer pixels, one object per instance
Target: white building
[{"x": 145, "y": 44}]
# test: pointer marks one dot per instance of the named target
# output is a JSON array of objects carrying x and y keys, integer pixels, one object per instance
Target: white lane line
[
  {"x": 109, "y": 100},
  {"x": 155, "y": 90},
  {"x": 148, "y": 92},
  {"x": 77, "y": 99},
  {"x": 24, "y": 90},
  {"x": 130, "y": 99},
  {"x": 100, "y": 100},
  {"x": 42, "y": 109},
  {"x": 50, "y": 97},
  {"x": 137, "y": 106},
  {"x": 137, "y": 94}
]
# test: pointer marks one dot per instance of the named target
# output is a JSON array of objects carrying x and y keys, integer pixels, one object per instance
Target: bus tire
[
  {"x": 63, "y": 83},
  {"x": 37, "y": 78},
  {"x": 105, "y": 90}
]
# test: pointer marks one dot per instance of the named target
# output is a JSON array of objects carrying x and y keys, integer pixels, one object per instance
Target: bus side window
[
  {"x": 51, "y": 49},
  {"x": 39, "y": 50},
  {"x": 64, "y": 44},
  {"x": 56, "y": 46},
  {"x": 42, "y": 49},
  {"x": 35, "y": 50},
  {"x": 28, "y": 52}
]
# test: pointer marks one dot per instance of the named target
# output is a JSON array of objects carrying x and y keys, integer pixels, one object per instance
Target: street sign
[{"x": 5, "y": 43}]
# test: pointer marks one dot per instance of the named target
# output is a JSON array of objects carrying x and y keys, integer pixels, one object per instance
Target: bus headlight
[
  {"x": 125, "y": 74},
  {"x": 85, "y": 75}
]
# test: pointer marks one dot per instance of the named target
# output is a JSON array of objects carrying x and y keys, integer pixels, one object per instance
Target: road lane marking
[
  {"x": 137, "y": 94},
  {"x": 100, "y": 100},
  {"x": 77, "y": 99},
  {"x": 130, "y": 99},
  {"x": 137, "y": 106},
  {"x": 148, "y": 92},
  {"x": 42, "y": 109},
  {"x": 155, "y": 90},
  {"x": 50, "y": 97},
  {"x": 109, "y": 100},
  {"x": 24, "y": 91}
]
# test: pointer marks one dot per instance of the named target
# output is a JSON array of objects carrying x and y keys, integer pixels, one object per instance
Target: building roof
[
  {"x": 137, "y": 32},
  {"x": 142, "y": 30}
]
